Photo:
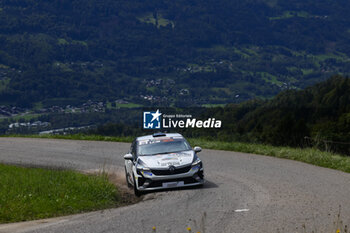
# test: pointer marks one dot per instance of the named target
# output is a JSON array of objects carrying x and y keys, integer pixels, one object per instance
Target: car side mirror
[
  {"x": 197, "y": 149},
  {"x": 128, "y": 157}
]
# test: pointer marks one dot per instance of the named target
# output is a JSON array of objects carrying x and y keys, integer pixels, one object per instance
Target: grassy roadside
[
  {"x": 307, "y": 155},
  {"x": 76, "y": 137},
  {"x": 35, "y": 193}
]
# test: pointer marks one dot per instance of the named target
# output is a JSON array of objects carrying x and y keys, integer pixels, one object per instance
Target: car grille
[
  {"x": 164, "y": 172},
  {"x": 158, "y": 183}
]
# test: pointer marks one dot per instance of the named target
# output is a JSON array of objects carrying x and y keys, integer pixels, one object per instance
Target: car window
[{"x": 159, "y": 146}]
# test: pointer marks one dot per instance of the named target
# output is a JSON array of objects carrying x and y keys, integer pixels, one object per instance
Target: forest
[{"x": 316, "y": 116}]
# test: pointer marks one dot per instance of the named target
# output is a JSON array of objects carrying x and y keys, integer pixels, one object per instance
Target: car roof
[{"x": 151, "y": 136}]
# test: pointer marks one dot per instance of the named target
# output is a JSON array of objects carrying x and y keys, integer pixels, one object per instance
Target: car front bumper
[{"x": 149, "y": 181}]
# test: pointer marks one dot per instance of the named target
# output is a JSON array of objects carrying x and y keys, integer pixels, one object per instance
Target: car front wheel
[
  {"x": 126, "y": 178},
  {"x": 136, "y": 191}
]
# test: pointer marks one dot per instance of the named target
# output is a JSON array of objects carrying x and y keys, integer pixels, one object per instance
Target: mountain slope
[
  {"x": 318, "y": 115},
  {"x": 172, "y": 52}
]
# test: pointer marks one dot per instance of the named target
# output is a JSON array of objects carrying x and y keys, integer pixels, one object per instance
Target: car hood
[{"x": 165, "y": 160}]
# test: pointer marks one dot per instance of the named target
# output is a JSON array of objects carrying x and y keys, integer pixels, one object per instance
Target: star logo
[
  {"x": 152, "y": 120},
  {"x": 156, "y": 115}
]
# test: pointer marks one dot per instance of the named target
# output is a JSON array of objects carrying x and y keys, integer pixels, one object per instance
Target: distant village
[
  {"x": 10, "y": 111},
  {"x": 20, "y": 121},
  {"x": 89, "y": 106},
  {"x": 35, "y": 124}
]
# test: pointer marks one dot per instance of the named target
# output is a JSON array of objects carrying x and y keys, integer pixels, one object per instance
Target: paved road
[{"x": 281, "y": 195}]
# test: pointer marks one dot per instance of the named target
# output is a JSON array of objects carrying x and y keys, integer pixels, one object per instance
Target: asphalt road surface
[{"x": 244, "y": 193}]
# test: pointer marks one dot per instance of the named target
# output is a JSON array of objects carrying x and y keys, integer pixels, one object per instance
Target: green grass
[
  {"x": 250, "y": 51},
  {"x": 34, "y": 193},
  {"x": 291, "y": 14},
  {"x": 226, "y": 90},
  {"x": 110, "y": 105},
  {"x": 153, "y": 90},
  {"x": 242, "y": 53},
  {"x": 62, "y": 41},
  {"x": 270, "y": 78},
  {"x": 149, "y": 18},
  {"x": 338, "y": 56},
  {"x": 63, "y": 66},
  {"x": 38, "y": 105},
  {"x": 213, "y": 105},
  {"x": 4, "y": 84},
  {"x": 307, "y": 155},
  {"x": 26, "y": 117},
  {"x": 201, "y": 68},
  {"x": 80, "y": 42},
  {"x": 164, "y": 22},
  {"x": 129, "y": 105},
  {"x": 76, "y": 137},
  {"x": 2, "y": 66},
  {"x": 271, "y": 3},
  {"x": 292, "y": 68},
  {"x": 307, "y": 71}
]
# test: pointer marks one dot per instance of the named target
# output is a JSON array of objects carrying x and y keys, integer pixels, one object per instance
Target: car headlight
[
  {"x": 141, "y": 170},
  {"x": 196, "y": 161}
]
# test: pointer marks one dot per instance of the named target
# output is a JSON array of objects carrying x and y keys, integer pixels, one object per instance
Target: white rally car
[{"x": 162, "y": 161}]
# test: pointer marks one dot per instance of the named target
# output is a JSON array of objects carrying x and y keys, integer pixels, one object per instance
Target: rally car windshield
[{"x": 152, "y": 147}]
